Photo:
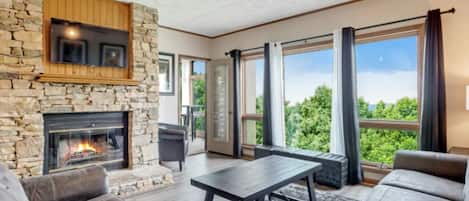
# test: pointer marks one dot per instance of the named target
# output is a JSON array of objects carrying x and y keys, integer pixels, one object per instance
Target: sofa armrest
[
  {"x": 448, "y": 166},
  {"x": 80, "y": 184}
]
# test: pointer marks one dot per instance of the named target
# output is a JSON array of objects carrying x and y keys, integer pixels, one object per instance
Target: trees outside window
[
  {"x": 387, "y": 73},
  {"x": 199, "y": 91}
]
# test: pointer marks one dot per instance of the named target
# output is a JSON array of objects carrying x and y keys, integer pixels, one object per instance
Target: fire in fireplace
[{"x": 79, "y": 139}]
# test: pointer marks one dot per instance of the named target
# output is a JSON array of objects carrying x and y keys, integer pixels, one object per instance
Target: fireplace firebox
[{"x": 76, "y": 140}]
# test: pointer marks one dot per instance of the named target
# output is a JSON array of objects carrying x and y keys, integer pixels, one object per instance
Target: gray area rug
[{"x": 295, "y": 192}]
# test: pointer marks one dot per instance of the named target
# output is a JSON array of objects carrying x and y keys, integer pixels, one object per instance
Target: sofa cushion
[
  {"x": 10, "y": 186},
  {"x": 390, "y": 193},
  {"x": 425, "y": 183}
]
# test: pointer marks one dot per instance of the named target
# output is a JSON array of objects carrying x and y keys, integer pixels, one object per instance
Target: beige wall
[
  {"x": 178, "y": 43},
  {"x": 358, "y": 14},
  {"x": 456, "y": 52}
]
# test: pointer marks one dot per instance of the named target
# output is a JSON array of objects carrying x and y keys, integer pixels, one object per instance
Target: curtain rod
[{"x": 452, "y": 11}]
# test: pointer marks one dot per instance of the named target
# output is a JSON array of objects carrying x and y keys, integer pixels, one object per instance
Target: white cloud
[
  {"x": 298, "y": 88},
  {"x": 388, "y": 87}
]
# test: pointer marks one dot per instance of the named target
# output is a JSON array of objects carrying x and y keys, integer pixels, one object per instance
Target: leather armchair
[{"x": 173, "y": 143}]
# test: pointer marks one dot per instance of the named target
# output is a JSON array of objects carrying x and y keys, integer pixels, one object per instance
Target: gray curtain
[
  {"x": 274, "y": 97},
  {"x": 267, "y": 114},
  {"x": 433, "y": 114},
  {"x": 350, "y": 110},
  {"x": 236, "y": 56}
]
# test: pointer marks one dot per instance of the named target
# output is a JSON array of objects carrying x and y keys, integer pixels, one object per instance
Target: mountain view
[{"x": 387, "y": 90}]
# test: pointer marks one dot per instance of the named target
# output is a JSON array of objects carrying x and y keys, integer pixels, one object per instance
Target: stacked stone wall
[{"x": 24, "y": 101}]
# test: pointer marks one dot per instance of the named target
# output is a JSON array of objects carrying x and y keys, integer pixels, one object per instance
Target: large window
[
  {"x": 387, "y": 78},
  {"x": 387, "y": 74},
  {"x": 253, "y": 90},
  {"x": 308, "y": 81}
]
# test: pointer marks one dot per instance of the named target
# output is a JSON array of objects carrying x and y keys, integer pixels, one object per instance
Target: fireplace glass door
[{"x": 77, "y": 141}]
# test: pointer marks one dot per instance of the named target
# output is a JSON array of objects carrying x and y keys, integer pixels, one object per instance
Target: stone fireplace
[
  {"x": 27, "y": 105},
  {"x": 74, "y": 140}
]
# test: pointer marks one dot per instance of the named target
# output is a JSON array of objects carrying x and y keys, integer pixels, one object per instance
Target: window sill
[{"x": 389, "y": 124}]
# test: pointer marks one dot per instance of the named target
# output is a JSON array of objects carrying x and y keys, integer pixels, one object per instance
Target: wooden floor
[
  {"x": 204, "y": 163},
  {"x": 196, "y": 146}
]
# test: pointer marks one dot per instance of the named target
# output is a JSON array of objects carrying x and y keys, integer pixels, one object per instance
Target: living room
[{"x": 112, "y": 95}]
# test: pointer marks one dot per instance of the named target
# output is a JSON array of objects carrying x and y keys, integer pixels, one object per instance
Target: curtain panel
[
  {"x": 274, "y": 98},
  {"x": 236, "y": 56},
  {"x": 337, "y": 145},
  {"x": 345, "y": 133},
  {"x": 433, "y": 114}
]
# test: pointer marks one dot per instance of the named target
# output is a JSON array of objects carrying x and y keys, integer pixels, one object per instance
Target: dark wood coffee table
[{"x": 256, "y": 179}]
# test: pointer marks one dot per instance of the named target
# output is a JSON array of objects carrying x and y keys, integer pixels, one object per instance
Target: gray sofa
[
  {"x": 87, "y": 184},
  {"x": 424, "y": 176}
]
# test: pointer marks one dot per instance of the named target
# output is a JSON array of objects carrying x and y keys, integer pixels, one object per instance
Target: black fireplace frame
[{"x": 86, "y": 120}]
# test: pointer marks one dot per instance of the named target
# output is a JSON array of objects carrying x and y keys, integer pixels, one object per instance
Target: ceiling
[{"x": 217, "y": 17}]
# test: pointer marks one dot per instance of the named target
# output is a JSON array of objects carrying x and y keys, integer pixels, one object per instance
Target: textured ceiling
[{"x": 215, "y": 17}]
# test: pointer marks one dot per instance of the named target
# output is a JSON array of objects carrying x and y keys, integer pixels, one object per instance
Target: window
[
  {"x": 387, "y": 84},
  {"x": 308, "y": 82},
  {"x": 387, "y": 79},
  {"x": 198, "y": 68},
  {"x": 253, "y": 90},
  {"x": 198, "y": 94},
  {"x": 193, "y": 91}
]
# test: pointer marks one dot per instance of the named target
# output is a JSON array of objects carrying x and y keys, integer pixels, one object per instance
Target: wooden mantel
[
  {"x": 103, "y": 13},
  {"x": 79, "y": 79}
]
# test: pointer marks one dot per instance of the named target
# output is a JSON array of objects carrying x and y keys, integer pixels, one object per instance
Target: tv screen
[{"x": 77, "y": 43}]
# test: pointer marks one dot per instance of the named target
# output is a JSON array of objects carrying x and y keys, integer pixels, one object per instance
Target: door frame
[
  {"x": 179, "y": 90},
  {"x": 229, "y": 150}
]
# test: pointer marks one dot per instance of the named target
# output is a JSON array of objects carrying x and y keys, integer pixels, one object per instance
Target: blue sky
[
  {"x": 199, "y": 67},
  {"x": 387, "y": 70}
]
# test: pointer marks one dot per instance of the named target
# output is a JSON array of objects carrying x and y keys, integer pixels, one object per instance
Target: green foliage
[
  {"x": 199, "y": 99},
  {"x": 259, "y": 125},
  {"x": 308, "y": 125},
  {"x": 314, "y": 121},
  {"x": 379, "y": 145}
]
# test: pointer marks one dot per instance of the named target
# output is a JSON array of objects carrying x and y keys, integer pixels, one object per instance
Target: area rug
[{"x": 295, "y": 192}]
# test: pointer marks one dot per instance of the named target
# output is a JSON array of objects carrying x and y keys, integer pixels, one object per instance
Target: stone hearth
[
  {"x": 127, "y": 182},
  {"x": 23, "y": 100}
]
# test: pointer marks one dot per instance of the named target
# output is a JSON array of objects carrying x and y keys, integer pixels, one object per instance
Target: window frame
[
  {"x": 247, "y": 116},
  {"x": 182, "y": 57},
  {"x": 413, "y": 30},
  {"x": 374, "y": 36}
]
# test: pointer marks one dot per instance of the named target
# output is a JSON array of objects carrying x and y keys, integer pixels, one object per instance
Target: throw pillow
[{"x": 10, "y": 186}]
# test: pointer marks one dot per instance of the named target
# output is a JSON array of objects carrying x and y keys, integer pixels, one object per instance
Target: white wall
[{"x": 178, "y": 43}]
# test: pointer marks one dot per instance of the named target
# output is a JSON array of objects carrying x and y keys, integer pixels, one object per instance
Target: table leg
[
  {"x": 208, "y": 196},
  {"x": 310, "y": 183},
  {"x": 261, "y": 198}
]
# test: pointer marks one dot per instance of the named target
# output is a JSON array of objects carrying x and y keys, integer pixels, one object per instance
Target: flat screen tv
[{"x": 77, "y": 43}]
